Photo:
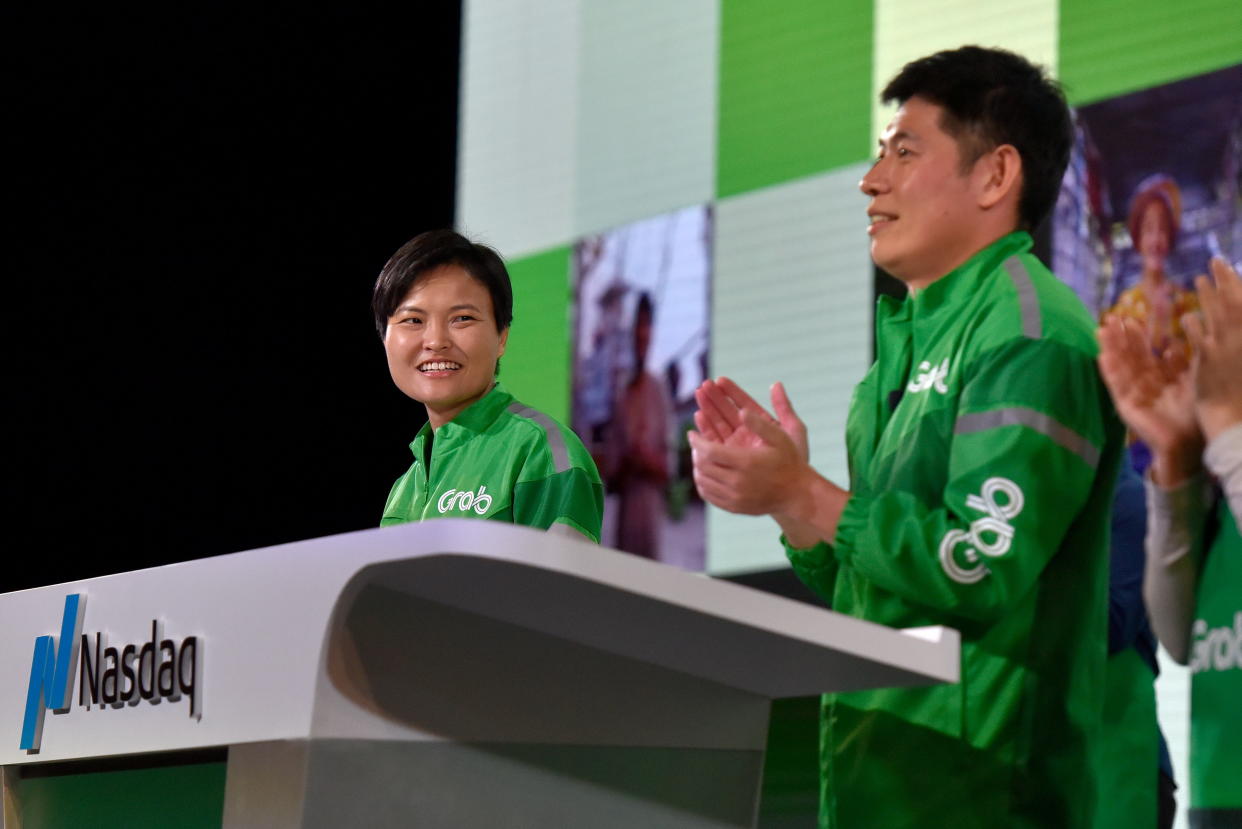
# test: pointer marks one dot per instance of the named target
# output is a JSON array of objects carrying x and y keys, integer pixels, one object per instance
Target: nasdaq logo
[
  {"x": 51, "y": 672},
  {"x": 110, "y": 676}
]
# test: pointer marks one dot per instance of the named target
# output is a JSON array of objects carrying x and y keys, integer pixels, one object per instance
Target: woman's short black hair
[{"x": 428, "y": 251}]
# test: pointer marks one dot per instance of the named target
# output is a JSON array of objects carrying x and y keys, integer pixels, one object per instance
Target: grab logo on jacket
[
  {"x": 930, "y": 377},
  {"x": 465, "y": 501},
  {"x": 1216, "y": 649},
  {"x": 962, "y": 551}
]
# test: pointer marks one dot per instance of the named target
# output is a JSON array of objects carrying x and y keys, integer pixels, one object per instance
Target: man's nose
[{"x": 875, "y": 181}]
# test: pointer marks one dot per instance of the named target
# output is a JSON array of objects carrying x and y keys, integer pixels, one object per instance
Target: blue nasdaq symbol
[{"x": 51, "y": 672}]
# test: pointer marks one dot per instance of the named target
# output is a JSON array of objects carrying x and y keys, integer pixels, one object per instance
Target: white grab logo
[
  {"x": 967, "y": 567},
  {"x": 930, "y": 377},
  {"x": 1216, "y": 649},
  {"x": 465, "y": 501}
]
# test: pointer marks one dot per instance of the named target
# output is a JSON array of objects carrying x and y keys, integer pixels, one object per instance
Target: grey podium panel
[
  {"x": 715, "y": 630},
  {"x": 460, "y": 673},
  {"x": 482, "y": 723},
  {"x": 417, "y": 669},
  {"x": 352, "y": 783},
  {"x": 385, "y": 784}
]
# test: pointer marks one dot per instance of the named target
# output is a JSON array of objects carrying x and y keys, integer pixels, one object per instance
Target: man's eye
[
  {"x": 902, "y": 152},
  {"x": 463, "y": 318}
]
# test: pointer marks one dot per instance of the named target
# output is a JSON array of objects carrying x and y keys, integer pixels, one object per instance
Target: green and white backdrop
[{"x": 578, "y": 116}]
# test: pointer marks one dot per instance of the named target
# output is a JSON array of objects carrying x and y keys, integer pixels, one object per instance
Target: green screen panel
[
  {"x": 535, "y": 367},
  {"x": 1111, "y": 47},
  {"x": 187, "y": 796},
  {"x": 794, "y": 90}
]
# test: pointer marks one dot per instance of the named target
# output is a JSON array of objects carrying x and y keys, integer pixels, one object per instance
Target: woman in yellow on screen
[{"x": 1156, "y": 300}]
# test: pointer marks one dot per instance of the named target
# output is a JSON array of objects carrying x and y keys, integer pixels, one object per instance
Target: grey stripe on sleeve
[
  {"x": 1059, "y": 433},
  {"x": 1028, "y": 302},
  {"x": 556, "y": 441}
]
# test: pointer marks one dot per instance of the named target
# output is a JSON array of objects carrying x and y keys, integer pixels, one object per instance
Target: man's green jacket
[{"x": 983, "y": 451}]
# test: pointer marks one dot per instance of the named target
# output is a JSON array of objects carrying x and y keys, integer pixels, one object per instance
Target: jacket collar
[{"x": 474, "y": 419}]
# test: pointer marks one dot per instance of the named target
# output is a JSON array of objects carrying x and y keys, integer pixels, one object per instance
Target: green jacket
[
  {"x": 503, "y": 461},
  {"x": 1216, "y": 676},
  {"x": 983, "y": 450}
]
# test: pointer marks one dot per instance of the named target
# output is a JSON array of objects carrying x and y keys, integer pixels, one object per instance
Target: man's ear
[
  {"x": 504, "y": 340},
  {"x": 998, "y": 176}
]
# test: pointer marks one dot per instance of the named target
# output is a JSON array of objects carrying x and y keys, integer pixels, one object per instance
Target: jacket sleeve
[
  {"x": 1031, "y": 427},
  {"x": 559, "y": 489},
  {"x": 816, "y": 567}
]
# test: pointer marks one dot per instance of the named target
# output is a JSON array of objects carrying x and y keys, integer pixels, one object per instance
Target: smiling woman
[
  {"x": 442, "y": 307},
  {"x": 443, "y": 342}
]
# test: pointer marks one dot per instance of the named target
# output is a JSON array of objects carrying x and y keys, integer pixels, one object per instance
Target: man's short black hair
[
  {"x": 428, "y": 251},
  {"x": 992, "y": 97}
]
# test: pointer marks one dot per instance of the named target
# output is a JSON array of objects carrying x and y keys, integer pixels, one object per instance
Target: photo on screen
[
  {"x": 1151, "y": 194},
  {"x": 641, "y": 317}
]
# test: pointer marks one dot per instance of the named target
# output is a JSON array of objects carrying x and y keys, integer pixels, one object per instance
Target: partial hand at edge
[
  {"x": 1154, "y": 396},
  {"x": 1216, "y": 336}
]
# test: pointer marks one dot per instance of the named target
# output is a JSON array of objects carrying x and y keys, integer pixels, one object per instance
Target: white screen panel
[
  {"x": 647, "y": 110},
  {"x": 792, "y": 301},
  {"x": 516, "y": 151}
]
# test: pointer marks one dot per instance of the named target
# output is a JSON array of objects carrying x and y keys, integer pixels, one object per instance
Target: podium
[{"x": 450, "y": 673}]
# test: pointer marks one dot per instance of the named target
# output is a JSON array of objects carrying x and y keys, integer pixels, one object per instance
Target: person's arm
[
  {"x": 747, "y": 461},
  {"x": 653, "y": 446},
  {"x": 1175, "y": 521},
  {"x": 1032, "y": 426},
  {"x": 1154, "y": 395},
  {"x": 723, "y": 425},
  {"x": 1021, "y": 463}
]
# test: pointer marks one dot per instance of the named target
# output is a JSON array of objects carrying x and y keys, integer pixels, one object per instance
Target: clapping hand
[
  {"x": 1216, "y": 336},
  {"x": 746, "y": 460},
  {"x": 1154, "y": 394}
]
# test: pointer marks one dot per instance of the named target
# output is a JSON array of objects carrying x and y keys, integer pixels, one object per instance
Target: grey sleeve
[
  {"x": 1175, "y": 519},
  {"x": 1223, "y": 458}
]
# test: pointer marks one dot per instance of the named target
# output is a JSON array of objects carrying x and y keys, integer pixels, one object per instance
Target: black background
[{"x": 204, "y": 199}]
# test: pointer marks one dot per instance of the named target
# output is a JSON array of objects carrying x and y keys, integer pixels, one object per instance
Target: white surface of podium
[{"x": 462, "y": 673}]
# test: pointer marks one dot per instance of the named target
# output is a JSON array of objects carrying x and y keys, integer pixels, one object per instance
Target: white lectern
[{"x": 452, "y": 673}]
